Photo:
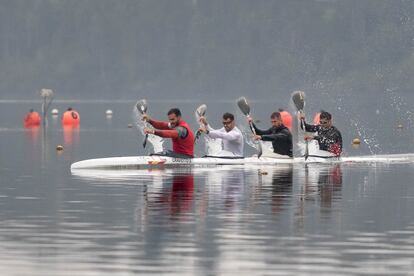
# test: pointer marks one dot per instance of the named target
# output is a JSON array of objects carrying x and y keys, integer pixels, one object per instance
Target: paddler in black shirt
[
  {"x": 328, "y": 136},
  {"x": 278, "y": 134}
]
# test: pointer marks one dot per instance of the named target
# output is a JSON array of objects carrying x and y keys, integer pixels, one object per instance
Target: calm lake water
[{"x": 343, "y": 219}]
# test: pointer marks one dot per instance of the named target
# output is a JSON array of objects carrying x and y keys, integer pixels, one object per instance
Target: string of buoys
[{"x": 71, "y": 119}]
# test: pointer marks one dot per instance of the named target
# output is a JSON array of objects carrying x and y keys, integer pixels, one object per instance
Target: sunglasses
[
  {"x": 227, "y": 122},
  {"x": 324, "y": 122}
]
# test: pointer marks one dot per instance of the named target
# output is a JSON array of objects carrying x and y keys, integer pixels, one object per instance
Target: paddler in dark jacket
[
  {"x": 176, "y": 129},
  {"x": 278, "y": 134},
  {"x": 328, "y": 136}
]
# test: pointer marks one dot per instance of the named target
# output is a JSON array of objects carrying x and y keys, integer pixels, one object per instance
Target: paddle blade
[
  {"x": 298, "y": 98},
  {"x": 243, "y": 105},
  {"x": 142, "y": 106},
  {"x": 201, "y": 110}
]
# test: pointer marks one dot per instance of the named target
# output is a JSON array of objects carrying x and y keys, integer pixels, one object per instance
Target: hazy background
[
  {"x": 354, "y": 58},
  {"x": 169, "y": 49}
]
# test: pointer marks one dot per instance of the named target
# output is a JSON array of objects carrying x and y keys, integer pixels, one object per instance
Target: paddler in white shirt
[{"x": 232, "y": 137}]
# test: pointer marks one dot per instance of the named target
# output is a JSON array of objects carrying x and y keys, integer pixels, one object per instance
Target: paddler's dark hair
[
  {"x": 175, "y": 111},
  {"x": 275, "y": 115},
  {"x": 325, "y": 115},
  {"x": 228, "y": 116}
]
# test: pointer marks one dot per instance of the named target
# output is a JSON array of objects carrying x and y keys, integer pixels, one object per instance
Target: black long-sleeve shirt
[
  {"x": 329, "y": 139},
  {"x": 280, "y": 137}
]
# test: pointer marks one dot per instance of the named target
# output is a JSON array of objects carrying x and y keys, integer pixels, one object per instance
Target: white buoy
[
  {"x": 108, "y": 112},
  {"x": 55, "y": 111},
  {"x": 59, "y": 147}
]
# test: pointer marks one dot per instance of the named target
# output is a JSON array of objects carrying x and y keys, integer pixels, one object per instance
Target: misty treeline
[{"x": 125, "y": 49}]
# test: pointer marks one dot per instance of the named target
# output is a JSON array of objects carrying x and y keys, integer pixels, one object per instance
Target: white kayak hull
[
  {"x": 145, "y": 162},
  {"x": 149, "y": 162}
]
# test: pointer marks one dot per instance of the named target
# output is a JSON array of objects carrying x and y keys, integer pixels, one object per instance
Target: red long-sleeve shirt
[
  {"x": 163, "y": 129},
  {"x": 182, "y": 145}
]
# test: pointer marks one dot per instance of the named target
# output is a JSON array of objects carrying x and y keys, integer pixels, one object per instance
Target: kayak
[
  {"x": 155, "y": 162},
  {"x": 145, "y": 162}
]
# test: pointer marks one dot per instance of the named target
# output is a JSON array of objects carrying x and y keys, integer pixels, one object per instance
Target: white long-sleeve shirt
[{"x": 233, "y": 141}]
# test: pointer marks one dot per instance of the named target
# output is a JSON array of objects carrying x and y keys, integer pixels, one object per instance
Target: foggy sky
[{"x": 206, "y": 49}]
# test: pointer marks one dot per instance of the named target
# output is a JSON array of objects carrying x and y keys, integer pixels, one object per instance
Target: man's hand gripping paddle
[
  {"x": 245, "y": 109},
  {"x": 141, "y": 105},
  {"x": 298, "y": 98},
  {"x": 200, "y": 112}
]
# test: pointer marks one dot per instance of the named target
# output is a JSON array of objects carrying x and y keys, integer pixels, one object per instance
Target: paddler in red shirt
[{"x": 176, "y": 129}]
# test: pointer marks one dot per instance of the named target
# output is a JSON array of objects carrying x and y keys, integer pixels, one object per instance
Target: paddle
[
  {"x": 47, "y": 96},
  {"x": 245, "y": 109},
  {"x": 298, "y": 98},
  {"x": 142, "y": 108},
  {"x": 200, "y": 112}
]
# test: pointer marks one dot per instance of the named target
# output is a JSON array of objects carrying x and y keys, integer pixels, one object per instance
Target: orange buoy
[
  {"x": 32, "y": 119},
  {"x": 286, "y": 118},
  {"x": 317, "y": 119},
  {"x": 71, "y": 118}
]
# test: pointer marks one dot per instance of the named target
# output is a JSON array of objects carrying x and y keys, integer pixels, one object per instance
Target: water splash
[
  {"x": 399, "y": 104},
  {"x": 156, "y": 142},
  {"x": 213, "y": 146},
  {"x": 367, "y": 134},
  {"x": 369, "y": 139}
]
